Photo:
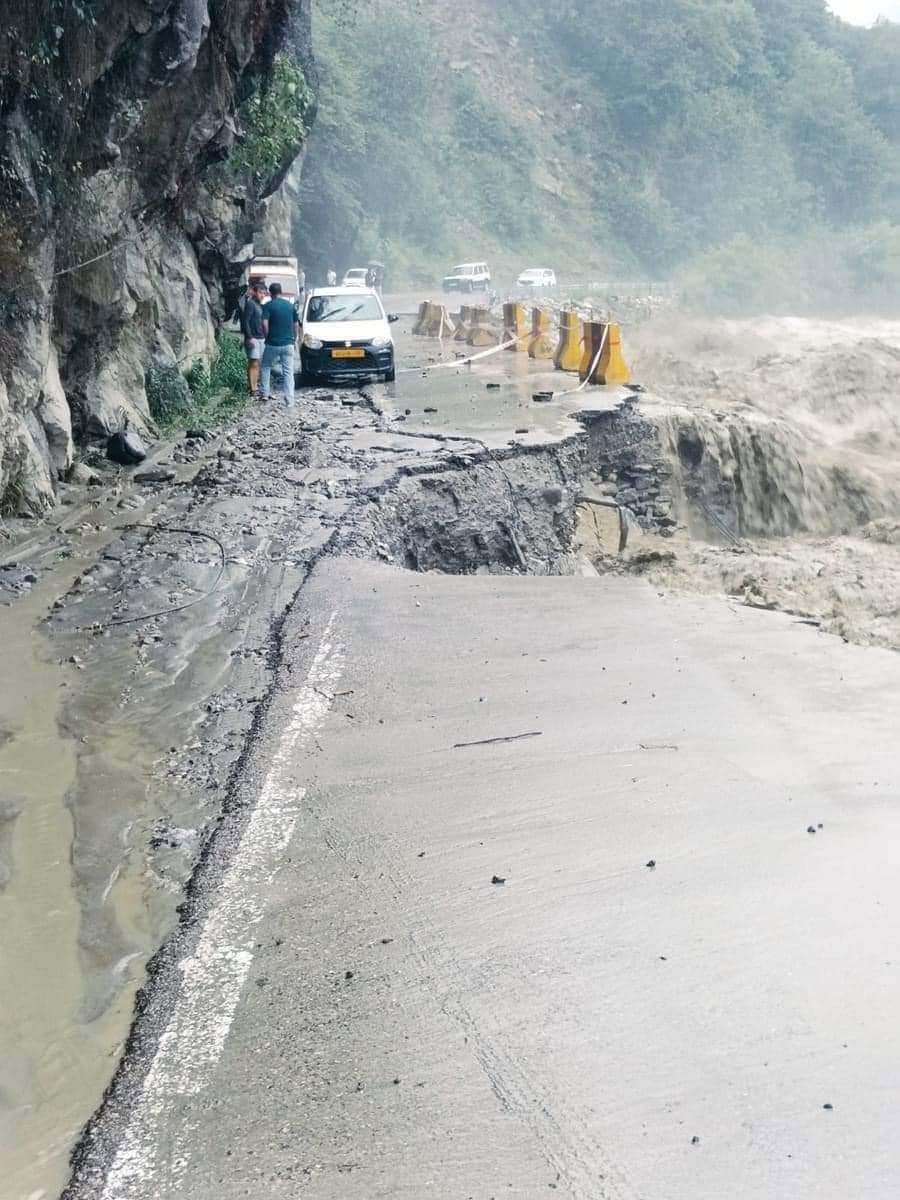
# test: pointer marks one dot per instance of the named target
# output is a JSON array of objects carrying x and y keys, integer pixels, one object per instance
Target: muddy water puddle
[{"x": 60, "y": 1020}]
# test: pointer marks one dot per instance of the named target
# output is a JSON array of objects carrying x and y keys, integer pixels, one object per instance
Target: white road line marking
[{"x": 213, "y": 977}]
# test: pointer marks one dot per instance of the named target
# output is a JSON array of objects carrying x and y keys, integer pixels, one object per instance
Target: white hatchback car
[
  {"x": 345, "y": 332},
  {"x": 356, "y": 277},
  {"x": 537, "y": 277}
]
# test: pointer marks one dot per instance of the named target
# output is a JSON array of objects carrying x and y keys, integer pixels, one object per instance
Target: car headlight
[
  {"x": 312, "y": 343},
  {"x": 380, "y": 343}
]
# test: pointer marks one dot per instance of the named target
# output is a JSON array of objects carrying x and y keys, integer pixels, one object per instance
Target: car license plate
[{"x": 350, "y": 352}]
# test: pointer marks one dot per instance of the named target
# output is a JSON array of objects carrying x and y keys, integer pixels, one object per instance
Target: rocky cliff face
[{"x": 122, "y": 225}]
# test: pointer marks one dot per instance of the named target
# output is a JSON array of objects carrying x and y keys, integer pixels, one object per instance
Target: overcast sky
[{"x": 864, "y": 12}]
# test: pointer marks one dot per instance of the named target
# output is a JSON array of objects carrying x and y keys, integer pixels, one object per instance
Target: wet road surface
[
  {"x": 676, "y": 992},
  {"x": 93, "y": 750},
  {"x": 492, "y": 399}
]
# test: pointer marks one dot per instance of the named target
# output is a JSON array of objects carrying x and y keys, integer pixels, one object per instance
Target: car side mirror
[{"x": 392, "y": 317}]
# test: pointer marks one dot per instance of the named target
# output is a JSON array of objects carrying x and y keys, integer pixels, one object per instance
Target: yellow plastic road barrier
[
  {"x": 612, "y": 367},
  {"x": 421, "y": 320},
  {"x": 515, "y": 325},
  {"x": 482, "y": 331},
  {"x": 540, "y": 344},
  {"x": 464, "y": 324},
  {"x": 568, "y": 349}
]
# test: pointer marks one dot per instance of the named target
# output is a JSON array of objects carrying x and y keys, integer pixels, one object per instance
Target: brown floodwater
[{"x": 56, "y": 1048}]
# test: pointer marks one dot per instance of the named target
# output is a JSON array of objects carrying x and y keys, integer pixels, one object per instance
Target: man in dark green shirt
[{"x": 280, "y": 325}]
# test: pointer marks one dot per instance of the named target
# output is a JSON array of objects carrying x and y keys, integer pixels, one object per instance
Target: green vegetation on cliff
[{"x": 713, "y": 140}]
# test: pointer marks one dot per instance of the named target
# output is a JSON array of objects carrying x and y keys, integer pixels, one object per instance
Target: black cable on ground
[{"x": 165, "y": 612}]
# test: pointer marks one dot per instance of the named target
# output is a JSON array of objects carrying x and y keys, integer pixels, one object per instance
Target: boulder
[
  {"x": 80, "y": 473},
  {"x": 126, "y": 447}
]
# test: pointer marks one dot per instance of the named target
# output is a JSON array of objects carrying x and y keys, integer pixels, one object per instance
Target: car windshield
[
  {"x": 532, "y": 274},
  {"x": 466, "y": 269},
  {"x": 343, "y": 308},
  {"x": 356, "y": 273}
]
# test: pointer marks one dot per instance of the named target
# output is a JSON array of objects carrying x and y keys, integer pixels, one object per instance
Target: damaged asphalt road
[
  {"x": 339, "y": 768},
  {"x": 353, "y": 1007}
]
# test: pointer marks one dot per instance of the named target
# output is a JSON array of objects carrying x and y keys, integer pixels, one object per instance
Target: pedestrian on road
[
  {"x": 301, "y": 282},
  {"x": 281, "y": 324},
  {"x": 331, "y": 278},
  {"x": 252, "y": 329}
]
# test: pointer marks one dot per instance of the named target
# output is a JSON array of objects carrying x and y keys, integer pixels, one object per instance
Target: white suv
[{"x": 468, "y": 277}]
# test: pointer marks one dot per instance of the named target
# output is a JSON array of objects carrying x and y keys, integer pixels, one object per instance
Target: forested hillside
[{"x": 748, "y": 148}]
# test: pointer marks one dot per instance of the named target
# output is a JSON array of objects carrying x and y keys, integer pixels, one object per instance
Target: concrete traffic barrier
[
  {"x": 438, "y": 322},
  {"x": 602, "y": 360},
  {"x": 541, "y": 343},
  {"x": 421, "y": 322},
  {"x": 515, "y": 325},
  {"x": 482, "y": 331},
  {"x": 464, "y": 324},
  {"x": 571, "y": 335}
]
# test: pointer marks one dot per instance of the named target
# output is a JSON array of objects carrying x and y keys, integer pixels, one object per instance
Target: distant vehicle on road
[
  {"x": 278, "y": 270},
  {"x": 355, "y": 278},
  {"x": 345, "y": 332},
  {"x": 270, "y": 270},
  {"x": 537, "y": 277},
  {"x": 468, "y": 277}
]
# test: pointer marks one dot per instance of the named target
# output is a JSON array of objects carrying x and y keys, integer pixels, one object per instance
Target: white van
[{"x": 278, "y": 270}]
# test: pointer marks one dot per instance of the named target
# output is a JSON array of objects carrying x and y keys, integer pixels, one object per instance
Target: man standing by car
[
  {"x": 280, "y": 325},
  {"x": 252, "y": 329}
]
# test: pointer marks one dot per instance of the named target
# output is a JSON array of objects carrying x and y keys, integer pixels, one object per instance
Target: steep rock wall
[{"x": 121, "y": 228}]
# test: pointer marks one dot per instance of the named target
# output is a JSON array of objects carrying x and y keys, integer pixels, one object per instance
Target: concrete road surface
[{"x": 369, "y": 1012}]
